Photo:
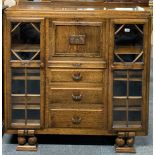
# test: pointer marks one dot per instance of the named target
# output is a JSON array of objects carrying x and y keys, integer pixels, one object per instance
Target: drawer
[
  {"x": 76, "y": 95},
  {"x": 80, "y": 118},
  {"x": 77, "y": 64},
  {"x": 77, "y": 38},
  {"x": 76, "y": 75}
]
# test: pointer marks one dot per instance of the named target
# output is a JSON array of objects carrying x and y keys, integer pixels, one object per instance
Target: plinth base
[
  {"x": 125, "y": 149},
  {"x": 26, "y": 148}
]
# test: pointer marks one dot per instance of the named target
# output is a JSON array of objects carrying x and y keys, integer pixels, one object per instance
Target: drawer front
[
  {"x": 77, "y": 64},
  {"x": 77, "y": 38},
  {"x": 76, "y": 118},
  {"x": 76, "y": 75},
  {"x": 78, "y": 95}
]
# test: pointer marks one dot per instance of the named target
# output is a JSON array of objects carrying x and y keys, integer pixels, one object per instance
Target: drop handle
[
  {"x": 76, "y": 120},
  {"x": 77, "y": 76},
  {"x": 42, "y": 65},
  {"x": 77, "y": 97}
]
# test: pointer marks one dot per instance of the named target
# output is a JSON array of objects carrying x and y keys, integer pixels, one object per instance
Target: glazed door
[
  {"x": 24, "y": 71},
  {"x": 129, "y": 70}
]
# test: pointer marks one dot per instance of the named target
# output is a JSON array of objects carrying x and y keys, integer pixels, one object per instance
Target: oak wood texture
[
  {"x": 76, "y": 118},
  {"x": 26, "y": 148},
  {"x": 76, "y": 64},
  {"x": 125, "y": 150},
  {"x": 72, "y": 96},
  {"x": 96, "y": 2},
  {"x": 61, "y": 32},
  {"x": 76, "y": 69},
  {"x": 76, "y": 75},
  {"x": 131, "y": 66}
]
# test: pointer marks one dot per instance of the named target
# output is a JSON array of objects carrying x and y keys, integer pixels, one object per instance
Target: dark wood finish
[{"x": 75, "y": 58}]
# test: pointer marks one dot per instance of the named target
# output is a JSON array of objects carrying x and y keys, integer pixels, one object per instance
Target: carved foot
[
  {"x": 32, "y": 141},
  {"x": 124, "y": 142},
  {"x": 120, "y": 142},
  {"x": 130, "y": 141},
  {"x": 21, "y": 140}
]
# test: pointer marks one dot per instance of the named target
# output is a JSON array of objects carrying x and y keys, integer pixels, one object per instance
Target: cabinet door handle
[
  {"x": 41, "y": 65},
  {"x": 76, "y": 77},
  {"x": 77, "y": 97},
  {"x": 77, "y": 39},
  {"x": 76, "y": 120}
]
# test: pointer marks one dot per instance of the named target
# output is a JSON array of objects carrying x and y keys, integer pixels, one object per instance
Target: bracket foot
[
  {"x": 32, "y": 141},
  {"x": 124, "y": 142}
]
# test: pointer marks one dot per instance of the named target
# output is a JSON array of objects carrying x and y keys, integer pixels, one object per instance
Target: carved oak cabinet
[{"x": 76, "y": 69}]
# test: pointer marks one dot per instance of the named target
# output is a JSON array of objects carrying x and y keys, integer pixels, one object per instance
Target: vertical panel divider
[
  {"x": 25, "y": 95},
  {"x": 127, "y": 100}
]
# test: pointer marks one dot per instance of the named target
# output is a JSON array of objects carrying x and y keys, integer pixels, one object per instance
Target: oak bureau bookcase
[{"x": 77, "y": 68}]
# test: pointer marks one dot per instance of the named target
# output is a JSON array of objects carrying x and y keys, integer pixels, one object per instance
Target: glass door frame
[
  {"x": 8, "y": 66},
  {"x": 144, "y": 66}
]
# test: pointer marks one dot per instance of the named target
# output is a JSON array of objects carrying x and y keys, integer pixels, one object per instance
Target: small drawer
[
  {"x": 76, "y": 75},
  {"x": 78, "y": 95},
  {"x": 70, "y": 118},
  {"x": 77, "y": 64}
]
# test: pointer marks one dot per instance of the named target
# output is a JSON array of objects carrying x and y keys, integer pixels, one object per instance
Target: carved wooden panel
[{"x": 77, "y": 38}]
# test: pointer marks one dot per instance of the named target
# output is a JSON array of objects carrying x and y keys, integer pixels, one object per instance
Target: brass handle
[
  {"x": 76, "y": 77},
  {"x": 76, "y": 120},
  {"x": 77, "y": 39},
  {"x": 77, "y": 97},
  {"x": 41, "y": 65}
]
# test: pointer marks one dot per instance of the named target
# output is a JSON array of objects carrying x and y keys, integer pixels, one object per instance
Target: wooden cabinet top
[
  {"x": 93, "y": 2},
  {"x": 72, "y": 9}
]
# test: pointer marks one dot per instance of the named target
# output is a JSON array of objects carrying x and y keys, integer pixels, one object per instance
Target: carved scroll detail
[{"x": 77, "y": 39}]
